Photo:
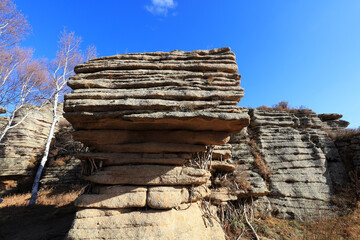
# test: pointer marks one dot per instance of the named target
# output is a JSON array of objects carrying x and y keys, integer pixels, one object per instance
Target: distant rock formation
[
  {"x": 144, "y": 116},
  {"x": 22, "y": 147},
  {"x": 287, "y": 162},
  {"x": 3, "y": 110},
  {"x": 304, "y": 163}
]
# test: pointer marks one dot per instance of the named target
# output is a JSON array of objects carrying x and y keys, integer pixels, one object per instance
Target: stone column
[{"x": 144, "y": 118}]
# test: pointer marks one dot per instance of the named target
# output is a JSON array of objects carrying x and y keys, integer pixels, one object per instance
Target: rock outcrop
[
  {"x": 304, "y": 165},
  {"x": 145, "y": 117},
  {"x": 23, "y": 146}
]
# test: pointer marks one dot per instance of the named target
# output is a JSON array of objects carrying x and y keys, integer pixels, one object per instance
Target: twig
[{"x": 249, "y": 224}]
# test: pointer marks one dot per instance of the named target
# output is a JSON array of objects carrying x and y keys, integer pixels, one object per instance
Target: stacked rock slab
[{"x": 144, "y": 116}]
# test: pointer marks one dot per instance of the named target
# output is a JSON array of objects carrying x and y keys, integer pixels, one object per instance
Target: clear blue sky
[{"x": 305, "y": 52}]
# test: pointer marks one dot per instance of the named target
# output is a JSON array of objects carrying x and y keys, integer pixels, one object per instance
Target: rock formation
[
  {"x": 304, "y": 165},
  {"x": 145, "y": 117},
  {"x": 22, "y": 147}
]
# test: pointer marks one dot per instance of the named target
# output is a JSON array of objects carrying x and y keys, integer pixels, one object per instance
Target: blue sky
[{"x": 305, "y": 52}]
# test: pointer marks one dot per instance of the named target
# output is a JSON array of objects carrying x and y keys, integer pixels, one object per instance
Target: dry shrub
[
  {"x": 284, "y": 106},
  {"x": 327, "y": 228},
  {"x": 233, "y": 221},
  {"x": 237, "y": 180},
  {"x": 344, "y": 134},
  {"x": 265, "y": 108},
  {"x": 347, "y": 199},
  {"x": 7, "y": 185},
  {"x": 335, "y": 227},
  {"x": 260, "y": 166},
  {"x": 281, "y": 106},
  {"x": 63, "y": 146}
]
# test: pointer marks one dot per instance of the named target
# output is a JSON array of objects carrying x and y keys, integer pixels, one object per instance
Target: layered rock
[
  {"x": 145, "y": 117},
  {"x": 332, "y": 122},
  {"x": 305, "y": 166},
  {"x": 23, "y": 146}
]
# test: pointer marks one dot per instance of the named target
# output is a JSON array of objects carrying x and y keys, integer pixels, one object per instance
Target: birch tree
[
  {"x": 19, "y": 72},
  {"x": 23, "y": 82},
  {"x": 62, "y": 68},
  {"x": 13, "y": 25}
]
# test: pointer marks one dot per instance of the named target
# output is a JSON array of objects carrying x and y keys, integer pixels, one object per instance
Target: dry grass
[
  {"x": 284, "y": 106},
  {"x": 327, "y": 228},
  {"x": 50, "y": 218},
  {"x": 259, "y": 161},
  {"x": 237, "y": 180},
  {"x": 343, "y": 134},
  {"x": 45, "y": 197}
]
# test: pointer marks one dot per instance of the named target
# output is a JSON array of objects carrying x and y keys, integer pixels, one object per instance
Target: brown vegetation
[
  {"x": 260, "y": 165},
  {"x": 283, "y": 106},
  {"x": 237, "y": 180},
  {"x": 51, "y": 218},
  {"x": 49, "y": 197},
  {"x": 326, "y": 228},
  {"x": 343, "y": 134}
]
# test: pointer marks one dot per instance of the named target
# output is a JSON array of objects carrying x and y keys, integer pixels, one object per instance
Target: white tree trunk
[
  {"x": 3, "y": 133},
  {"x": 11, "y": 120},
  {"x": 46, "y": 152}
]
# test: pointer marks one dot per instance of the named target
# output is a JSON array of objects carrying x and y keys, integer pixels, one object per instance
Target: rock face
[
  {"x": 145, "y": 117},
  {"x": 304, "y": 165},
  {"x": 22, "y": 147},
  {"x": 349, "y": 150},
  {"x": 184, "y": 223}
]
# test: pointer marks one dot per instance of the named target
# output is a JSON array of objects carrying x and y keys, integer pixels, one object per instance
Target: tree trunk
[{"x": 35, "y": 187}]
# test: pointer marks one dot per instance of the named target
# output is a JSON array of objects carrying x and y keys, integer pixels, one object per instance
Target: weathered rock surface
[
  {"x": 149, "y": 175},
  {"x": 185, "y": 223},
  {"x": 242, "y": 156},
  {"x": 2, "y": 110},
  {"x": 114, "y": 197},
  {"x": 23, "y": 146},
  {"x": 349, "y": 150},
  {"x": 167, "y": 197},
  {"x": 114, "y": 159},
  {"x": 165, "y": 94},
  {"x": 304, "y": 163}
]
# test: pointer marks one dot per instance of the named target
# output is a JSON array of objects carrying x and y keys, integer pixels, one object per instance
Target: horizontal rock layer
[
  {"x": 142, "y": 115},
  {"x": 149, "y": 175},
  {"x": 158, "y": 91},
  {"x": 304, "y": 163}
]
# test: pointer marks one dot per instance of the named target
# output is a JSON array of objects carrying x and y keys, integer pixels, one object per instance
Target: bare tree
[
  {"x": 68, "y": 56},
  {"x": 19, "y": 74},
  {"x": 23, "y": 82},
  {"x": 13, "y": 25}
]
